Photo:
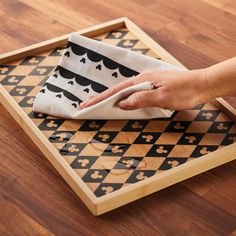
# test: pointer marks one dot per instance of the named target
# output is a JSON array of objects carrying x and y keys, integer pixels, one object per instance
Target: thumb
[{"x": 138, "y": 100}]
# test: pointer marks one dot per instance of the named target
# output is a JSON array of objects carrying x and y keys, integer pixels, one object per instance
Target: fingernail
[{"x": 123, "y": 103}]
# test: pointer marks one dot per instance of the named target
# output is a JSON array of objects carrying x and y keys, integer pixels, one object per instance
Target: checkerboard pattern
[{"x": 109, "y": 155}]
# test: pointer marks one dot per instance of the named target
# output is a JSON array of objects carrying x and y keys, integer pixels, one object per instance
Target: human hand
[{"x": 175, "y": 90}]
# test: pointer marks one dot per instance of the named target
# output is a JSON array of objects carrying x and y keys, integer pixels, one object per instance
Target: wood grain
[{"x": 198, "y": 33}]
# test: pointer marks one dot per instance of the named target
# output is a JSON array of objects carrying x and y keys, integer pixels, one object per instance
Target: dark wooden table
[{"x": 35, "y": 200}]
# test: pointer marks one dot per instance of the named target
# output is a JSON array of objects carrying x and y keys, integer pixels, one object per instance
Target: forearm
[{"x": 221, "y": 79}]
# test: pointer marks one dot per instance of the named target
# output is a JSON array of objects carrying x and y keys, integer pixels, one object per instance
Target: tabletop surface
[{"x": 35, "y": 200}]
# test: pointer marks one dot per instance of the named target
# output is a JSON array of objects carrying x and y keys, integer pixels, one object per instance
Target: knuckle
[
  {"x": 129, "y": 82},
  {"x": 112, "y": 90},
  {"x": 144, "y": 75},
  {"x": 164, "y": 90},
  {"x": 163, "y": 102}
]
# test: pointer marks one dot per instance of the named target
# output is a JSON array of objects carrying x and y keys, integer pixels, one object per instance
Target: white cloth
[{"x": 89, "y": 67}]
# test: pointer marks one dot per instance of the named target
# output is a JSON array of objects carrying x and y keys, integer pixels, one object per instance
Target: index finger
[{"x": 107, "y": 93}]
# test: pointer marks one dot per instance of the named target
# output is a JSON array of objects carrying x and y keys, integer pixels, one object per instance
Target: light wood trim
[
  {"x": 227, "y": 107},
  {"x": 130, "y": 193}
]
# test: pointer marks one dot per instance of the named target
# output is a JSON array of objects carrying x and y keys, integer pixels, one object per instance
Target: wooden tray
[{"x": 111, "y": 163}]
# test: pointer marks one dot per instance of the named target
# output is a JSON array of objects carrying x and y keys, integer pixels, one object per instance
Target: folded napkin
[{"x": 89, "y": 67}]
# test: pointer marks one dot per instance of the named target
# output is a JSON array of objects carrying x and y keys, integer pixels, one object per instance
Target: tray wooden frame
[{"x": 135, "y": 191}]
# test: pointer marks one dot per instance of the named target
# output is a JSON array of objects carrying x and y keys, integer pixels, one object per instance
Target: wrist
[
  {"x": 215, "y": 81},
  {"x": 204, "y": 85},
  {"x": 221, "y": 78},
  {"x": 211, "y": 85}
]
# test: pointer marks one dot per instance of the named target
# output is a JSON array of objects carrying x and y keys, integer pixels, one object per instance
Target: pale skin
[{"x": 176, "y": 90}]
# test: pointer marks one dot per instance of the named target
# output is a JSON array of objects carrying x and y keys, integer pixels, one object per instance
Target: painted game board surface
[{"x": 110, "y": 155}]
